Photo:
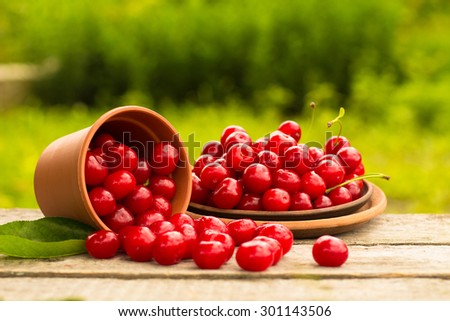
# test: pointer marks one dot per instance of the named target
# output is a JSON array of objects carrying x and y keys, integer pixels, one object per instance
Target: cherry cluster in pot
[
  {"x": 126, "y": 188},
  {"x": 275, "y": 172},
  {"x": 207, "y": 240}
]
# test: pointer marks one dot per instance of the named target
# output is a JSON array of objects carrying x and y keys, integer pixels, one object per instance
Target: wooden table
[{"x": 392, "y": 257}]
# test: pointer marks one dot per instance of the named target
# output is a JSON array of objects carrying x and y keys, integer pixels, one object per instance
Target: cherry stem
[
  {"x": 337, "y": 120},
  {"x": 312, "y": 105},
  {"x": 371, "y": 175}
]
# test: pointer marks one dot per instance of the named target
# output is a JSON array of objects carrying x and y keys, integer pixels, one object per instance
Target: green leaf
[{"x": 44, "y": 238}]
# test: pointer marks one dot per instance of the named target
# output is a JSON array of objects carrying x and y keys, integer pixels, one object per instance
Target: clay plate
[
  {"x": 328, "y": 212},
  {"x": 304, "y": 229}
]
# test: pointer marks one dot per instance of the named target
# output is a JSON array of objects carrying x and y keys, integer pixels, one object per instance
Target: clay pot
[{"x": 59, "y": 181}]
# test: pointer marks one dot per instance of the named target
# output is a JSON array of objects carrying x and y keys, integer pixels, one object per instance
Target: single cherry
[
  {"x": 257, "y": 178},
  {"x": 137, "y": 241},
  {"x": 199, "y": 193},
  {"x": 300, "y": 201},
  {"x": 213, "y": 148},
  {"x": 331, "y": 171},
  {"x": 240, "y": 156},
  {"x": 162, "y": 185},
  {"x": 270, "y": 160},
  {"x": 340, "y": 195},
  {"x": 224, "y": 238},
  {"x": 330, "y": 251},
  {"x": 169, "y": 248},
  {"x": 164, "y": 158},
  {"x": 291, "y": 128},
  {"x": 120, "y": 183},
  {"x": 350, "y": 158},
  {"x": 148, "y": 218},
  {"x": 209, "y": 255},
  {"x": 276, "y": 199},
  {"x": 275, "y": 247},
  {"x": 287, "y": 180},
  {"x": 238, "y": 137},
  {"x": 312, "y": 184},
  {"x": 201, "y": 162},
  {"x": 102, "y": 244},
  {"x": 212, "y": 174},
  {"x": 119, "y": 219},
  {"x": 278, "y": 232},
  {"x": 335, "y": 143},
  {"x": 94, "y": 172},
  {"x": 322, "y": 201},
  {"x": 254, "y": 256},
  {"x": 227, "y": 131},
  {"x": 121, "y": 157},
  {"x": 227, "y": 193},
  {"x": 143, "y": 172},
  {"x": 242, "y": 230},
  {"x": 102, "y": 201},
  {"x": 138, "y": 200},
  {"x": 279, "y": 142}
]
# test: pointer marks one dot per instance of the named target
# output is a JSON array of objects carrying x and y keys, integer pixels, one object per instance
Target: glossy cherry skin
[
  {"x": 287, "y": 180},
  {"x": 212, "y": 174},
  {"x": 229, "y": 130},
  {"x": 103, "y": 141},
  {"x": 201, "y": 162},
  {"x": 255, "y": 256},
  {"x": 237, "y": 138},
  {"x": 143, "y": 172},
  {"x": 291, "y": 128},
  {"x": 330, "y": 251},
  {"x": 270, "y": 160},
  {"x": 161, "y": 227},
  {"x": 138, "y": 200},
  {"x": 276, "y": 199},
  {"x": 257, "y": 178},
  {"x": 148, "y": 218},
  {"x": 190, "y": 237},
  {"x": 94, "y": 172},
  {"x": 312, "y": 184},
  {"x": 242, "y": 230},
  {"x": 213, "y": 148},
  {"x": 240, "y": 156},
  {"x": 331, "y": 172},
  {"x": 296, "y": 158},
  {"x": 137, "y": 241},
  {"x": 179, "y": 219},
  {"x": 360, "y": 170},
  {"x": 199, "y": 193},
  {"x": 162, "y": 185},
  {"x": 354, "y": 189},
  {"x": 102, "y": 201},
  {"x": 227, "y": 193},
  {"x": 169, "y": 248},
  {"x": 119, "y": 219},
  {"x": 279, "y": 142},
  {"x": 210, "y": 223},
  {"x": 120, "y": 156},
  {"x": 335, "y": 143},
  {"x": 280, "y": 233},
  {"x": 340, "y": 195},
  {"x": 350, "y": 158},
  {"x": 322, "y": 201},
  {"x": 162, "y": 205},
  {"x": 250, "y": 202},
  {"x": 209, "y": 255},
  {"x": 102, "y": 244},
  {"x": 275, "y": 247},
  {"x": 260, "y": 144},
  {"x": 224, "y": 238},
  {"x": 120, "y": 183},
  {"x": 300, "y": 201},
  {"x": 164, "y": 158}
]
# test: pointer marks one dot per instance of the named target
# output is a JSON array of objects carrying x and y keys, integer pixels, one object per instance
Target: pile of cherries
[{"x": 275, "y": 172}]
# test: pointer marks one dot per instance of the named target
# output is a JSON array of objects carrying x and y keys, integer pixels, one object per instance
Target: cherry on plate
[{"x": 276, "y": 199}]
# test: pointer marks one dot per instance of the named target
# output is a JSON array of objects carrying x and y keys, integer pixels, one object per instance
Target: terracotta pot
[{"x": 59, "y": 181}]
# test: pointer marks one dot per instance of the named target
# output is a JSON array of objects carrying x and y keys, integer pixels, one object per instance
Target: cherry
[
  {"x": 240, "y": 156},
  {"x": 254, "y": 256},
  {"x": 280, "y": 233},
  {"x": 148, "y": 218},
  {"x": 270, "y": 160},
  {"x": 287, "y": 180},
  {"x": 137, "y": 241},
  {"x": 179, "y": 219},
  {"x": 330, "y": 251},
  {"x": 227, "y": 193},
  {"x": 350, "y": 158},
  {"x": 331, "y": 172},
  {"x": 312, "y": 184},
  {"x": 257, "y": 178},
  {"x": 354, "y": 189},
  {"x": 120, "y": 156},
  {"x": 224, "y": 238},
  {"x": 296, "y": 158},
  {"x": 120, "y": 183},
  {"x": 322, "y": 201},
  {"x": 102, "y": 244},
  {"x": 201, "y": 162},
  {"x": 291, "y": 128},
  {"x": 279, "y": 142},
  {"x": 209, "y": 255},
  {"x": 204, "y": 223},
  {"x": 213, "y": 148},
  {"x": 169, "y": 248},
  {"x": 138, "y": 200},
  {"x": 199, "y": 193},
  {"x": 358, "y": 182},
  {"x": 250, "y": 202},
  {"x": 360, "y": 170},
  {"x": 143, "y": 172},
  {"x": 300, "y": 201},
  {"x": 102, "y": 201},
  {"x": 314, "y": 155},
  {"x": 162, "y": 185},
  {"x": 260, "y": 144},
  {"x": 335, "y": 143},
  {"x": 340, "y": 195},
  {"x": 161, "y": 227},
  {"x": 229, "y": 130},
  {"x": 212, "y": 174},
  {"x": 164, "y": 158},
  {"x": 238, "y": 137},
  {"x": 275, "y": 247},
  {"x": 119, "y": 219},
  {"x": 276, "y": 199},
  {"x": 190, "y": 237},
  {"x": 103, "y": 141},
  {"x": 242, "y": 230},
  {"x": 94, "y": 172}
]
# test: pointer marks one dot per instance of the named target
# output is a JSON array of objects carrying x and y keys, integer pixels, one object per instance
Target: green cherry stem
[
  {"x": 338, "y": 120},
  {"x": 370, "y": 175},
  {"x": 313, "y": 106}
]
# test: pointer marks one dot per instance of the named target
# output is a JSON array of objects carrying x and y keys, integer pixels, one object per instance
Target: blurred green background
[{"x": 206, "y": 64}]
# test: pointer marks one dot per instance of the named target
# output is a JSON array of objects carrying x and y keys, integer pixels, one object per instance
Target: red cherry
[
  {"x": 120, "y": 156},
  {"x": 237, "y": 138},
  {"x": 354, "y": 189},
  {"x": 169, "y": 248},
  {"x": 270, "y": 160},
  {"x": 340, "y": 195},
  {"x": 210, "y": 223},
  {"x": 119, "y": 219},
  {"x": 120, "y": 183},
  {"x": 250, "y": 202},
  {"x": 164, "y": 158},
  {"x": 358, "y": 182},
  {"x": 94, "y": 172},
  {"x": 312, "y": 184},
  {"x": 224, "y": 238},
  {"x": 148, "y": 218},
  {"x": 190, "y": 237},
  {"x": 275, "y": 247},
  {"x": 314, "y": 155},
  {"x": 229, "y": 130},
  {"x": 291, "y": 128},
  {"x": 209, "y": 255},
  {"x": 331, "y": 172},
  {"x": 143, "y": 172},
  {"x": 297, "y": 158},
  {"x": 102, "y": 201},
  {"x": 179, "y": 219},
  {"x": 330, "y": 251},
  {"x": 359, "y": 170},
  {"x": 242, "y": 230},
  {"x": 257, "y": 178},
  {"x": 199, "y": 193},
  {"x": 138, "y": 242},
  {"x": 300, "y": 201},
  {"x": 138, "y": 200},
  {"x": 240, "y": 156},
  {"x": 201, "y": 162},
  {"x": 161, "y": 227},
  {"x": 335, "y": 143},
  {"x": 213, "y": 148},
  {"x": 322, "y": 201},
  {"x": 280, "y": 233},
  {"x": 287, "y": 180},
  {"x": 162, "y": 185},
  {"x": 260, "y": 144},
  {"x": 102, "y": 244},
  {"x": 162, "y": 205},
  {"x": 350, "y": 158},
  {"x": 254, "y": 256},
  {"x": 276, "y": 199},
  {"x": 279, "y": 142},
  {"x": 227, "y": 193},
  {"x": 103, "y": 141},
  {"x": 212, "y": 175}
]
